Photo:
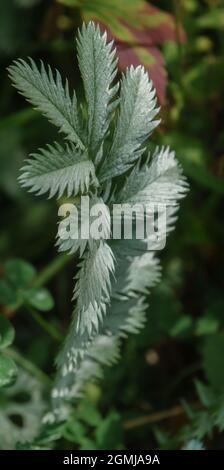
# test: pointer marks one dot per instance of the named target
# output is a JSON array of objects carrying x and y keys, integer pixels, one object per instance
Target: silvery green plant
[{"x": 105, "y": 157}]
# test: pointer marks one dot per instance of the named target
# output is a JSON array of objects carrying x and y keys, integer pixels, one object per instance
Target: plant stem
[
  {"x": 29, "y": 366},
  {"x": 48, "y": 327},
  {"x": 155, "y": 417},
  {"x": 56, "y": 265}
]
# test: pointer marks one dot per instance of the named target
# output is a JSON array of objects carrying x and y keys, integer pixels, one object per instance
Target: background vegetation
[{"x": 167, "y": 391}]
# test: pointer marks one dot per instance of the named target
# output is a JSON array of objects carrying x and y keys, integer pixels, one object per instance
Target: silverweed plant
[{"x": 106, "y": 157}]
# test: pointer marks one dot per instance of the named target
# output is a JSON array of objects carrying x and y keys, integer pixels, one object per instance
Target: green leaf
[
  {"x": 7, "y": 333},
  {"x": 109, "y": 433},
  {"x": 213, "y": 19},
  {"x": 89, "y": 414},
  {"x": 39, "y": 298},
  {"x": 49, "y": 96},
  {"x": 203, "y": 424},
  {"x": 19, "y": 272},
  {"x": 74, "y": 431},
  {"x": 205, "y": 393},
  {"x": 182, "y": 327},
  {"x": 49, "y": 434},
  {"x": 57, "y": 169},
  {"x": 8, "y": 370},
  {"x": 206, "y": 325},
  {"x": 88, "y": 444},
  {"x": 7, "y": 293}
]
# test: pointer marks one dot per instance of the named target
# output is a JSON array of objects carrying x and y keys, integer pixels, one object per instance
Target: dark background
[{"x": 155, "y": 397}]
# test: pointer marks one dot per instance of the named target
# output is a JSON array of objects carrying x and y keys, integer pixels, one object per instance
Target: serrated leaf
[
  {"x": 96, "y": 331},
  {"x": 203, "y": 425},
  {"x": 105, "y": 349},
  {"x": 48, "y": 95},
  {"x": 7, "y": 332},
  {"x": 98, "y": 69},
  {"x": 74, "y": 241},
  {"x": 93, "y": 287},
  {"x": 156, "y": 185},
  {"x": 124, "y": 316},
  {"x": 59, "y": 170},
  {"x": 93, "y": 354},
  {"x": 92, "y": 293},
  {"x": 8, "y": 370},
  {"x": 134, "y": 125},
  {"x": 148, "y": 266},
  {"x": 205, "y": 394},
  {"x": 160, "y": 180}
]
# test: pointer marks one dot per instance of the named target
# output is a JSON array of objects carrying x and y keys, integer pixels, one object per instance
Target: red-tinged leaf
[
  {"x": 135, "y": 54},
  {"x": 161, "y": 26},
  {"x": 137, "y": 32},
  {"x": 152, "y": 60},
  {"x": 115, "y": 27}
]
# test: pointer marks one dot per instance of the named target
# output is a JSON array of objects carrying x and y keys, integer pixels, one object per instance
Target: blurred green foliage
[{"x": 176, "y": 363}]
